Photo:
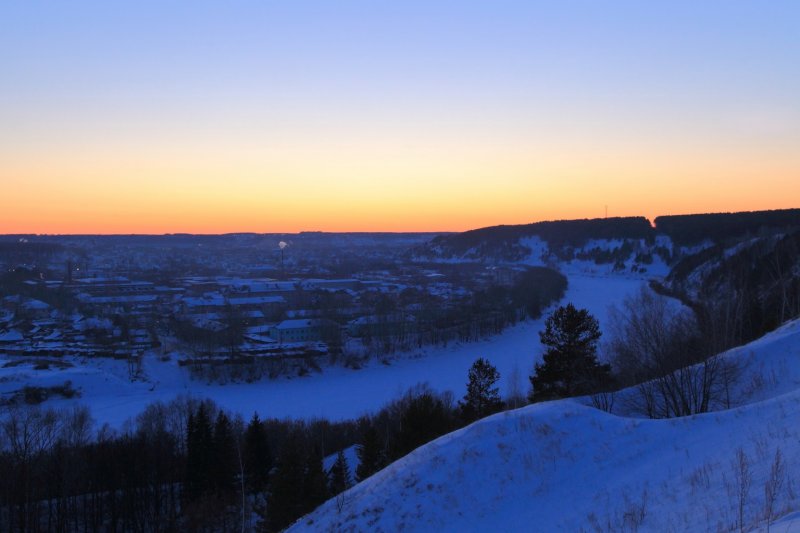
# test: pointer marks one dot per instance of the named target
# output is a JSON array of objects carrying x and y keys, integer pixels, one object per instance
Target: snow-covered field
[
  {"x": 336, "y": 393},
  {"x": 564, "y": 466}
]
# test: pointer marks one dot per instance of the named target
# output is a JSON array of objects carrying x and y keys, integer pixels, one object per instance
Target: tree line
[
  {"x": 189, "y": 465},
  {"x": 688, "y": 230},
  {"x": 501, "y": 242},
  {"x": 664, "y": 357}
]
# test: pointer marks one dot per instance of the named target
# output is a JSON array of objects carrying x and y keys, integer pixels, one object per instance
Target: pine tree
[
  {"x": 257, "y": 456},
  {"x": 225, "y": 456},
  {"x": 482, "y": 397},
  {"x": 315, "y": 482},
  {"x": 370, "y": 454},
  {"x": 286, "y": 498},
  {"x": 340, "y": 479},
  {"x": 199, "y": 453},
  {"x": 570, "y": 365}
]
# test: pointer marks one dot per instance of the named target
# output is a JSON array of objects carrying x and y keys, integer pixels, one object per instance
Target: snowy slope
[
  {"x": 771, "y": 364},
  {"x": 563, "y": 466},
  {"x": 768, "y": 367},
  {"x": 350, "y": 456},
  {"x": 536, "y": 251}
]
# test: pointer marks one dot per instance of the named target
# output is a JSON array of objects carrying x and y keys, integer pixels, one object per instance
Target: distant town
[{"x": 245, "y": 306}]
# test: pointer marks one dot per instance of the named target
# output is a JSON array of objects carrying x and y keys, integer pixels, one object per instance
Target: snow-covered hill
[{"x": 564, "y": 466}]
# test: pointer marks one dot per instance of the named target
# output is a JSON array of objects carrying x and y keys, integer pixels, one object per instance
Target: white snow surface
[
  {"x": 337, "y": 393},
  {"x": 350, "y": 457},
  {"x": 564, "y": 466},
  {"x": 539, "y": 249}
]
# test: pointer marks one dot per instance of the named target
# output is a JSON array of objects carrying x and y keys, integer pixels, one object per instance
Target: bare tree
[
  {"x": 514, "y": 396},
  {"x": 773, "y": 485},
  {"x": 28, "y": 432},
  {"x": 742, "y": 479},
  {"x": 604, "y": 401},
  {"x": 658, "y": 348},
  {"x": 781, "y": 267}
]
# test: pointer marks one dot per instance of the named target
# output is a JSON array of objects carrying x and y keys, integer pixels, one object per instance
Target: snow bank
[{"x": 562, "y": 466}]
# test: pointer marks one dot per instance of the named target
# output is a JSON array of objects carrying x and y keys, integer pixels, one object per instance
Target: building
[{"x": 304, "y": 330}]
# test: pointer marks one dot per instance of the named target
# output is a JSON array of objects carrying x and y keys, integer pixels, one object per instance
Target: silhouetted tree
[
  {"x": 340, "y": 479},
  {"x": 199, "y": 453},
  {"x": 370, "y": 454},
  {"x": 225, "y": 456},
  {"x": 286, "y": 500},
  {"x": 482, "y": 397},
  {"x": 315, "y": 482},
  {"x": 424, "y": 418},
  {"x": 660, "y": 351},
  {"x": 257, "y": 456},
  {"x": 570, "y": 364}
]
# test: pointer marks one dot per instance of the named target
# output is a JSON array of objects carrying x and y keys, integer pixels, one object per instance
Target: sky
[{"x": 214, "y": 117}]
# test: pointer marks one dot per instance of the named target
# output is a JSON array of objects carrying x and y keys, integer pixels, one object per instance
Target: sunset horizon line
[{"x": 650, "y": 219}]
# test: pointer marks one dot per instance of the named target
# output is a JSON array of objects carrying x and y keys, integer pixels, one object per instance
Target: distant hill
[
  {"x": 756, "y": 278},
  {"x": 507, "y": 243},
  {"x": 688, "y": 230},
  {"x": 503, "y": 242}
]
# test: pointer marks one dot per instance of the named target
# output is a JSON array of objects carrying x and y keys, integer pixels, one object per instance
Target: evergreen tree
[
  {"x": 199, "y": 453},
  {"x": 286, "y": 498},
  {"x": 370, "y": 454},
  {"x": 570, "y": 365},
  {"x": 340, "y": 479},
  {"x": 257, "y": 456},
  {"x": 482, "y": 397},
  {"x": 315, "y": 482},
  {"x": 225, "y": 464}
]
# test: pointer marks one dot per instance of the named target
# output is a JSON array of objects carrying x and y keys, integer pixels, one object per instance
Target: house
[
  {"x": 303, "y": 330},
  {"x": 331, "y": 284},
  {"x": 26, "y": 307}
]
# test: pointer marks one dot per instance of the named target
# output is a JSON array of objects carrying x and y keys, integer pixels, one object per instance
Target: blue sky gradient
[{"x": 388, "y": 107}]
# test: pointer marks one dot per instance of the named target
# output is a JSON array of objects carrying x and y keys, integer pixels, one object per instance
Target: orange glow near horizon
[
  {"x": 408, "y": 116},
  {"x": 373, "y": 186},
  {"x": 133, "y": 205}
]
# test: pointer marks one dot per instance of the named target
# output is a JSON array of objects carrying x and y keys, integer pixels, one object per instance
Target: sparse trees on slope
[
  {"x": 482, "y": 397},
  {"x": 659, "y": 347},
  {"x": 570, "y": 366}
]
